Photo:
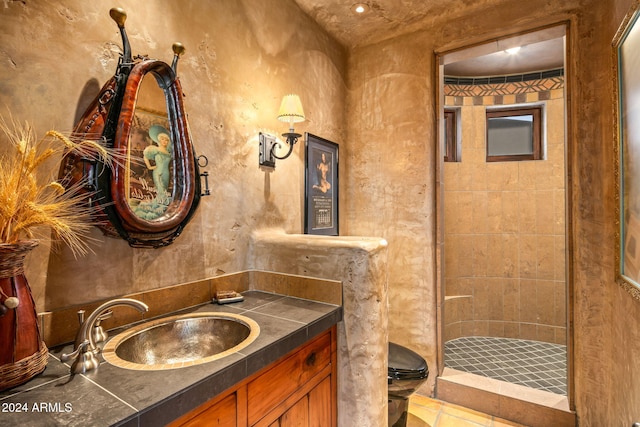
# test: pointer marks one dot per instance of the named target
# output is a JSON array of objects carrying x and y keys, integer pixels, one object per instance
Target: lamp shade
[{"x": 291, "y": 109}]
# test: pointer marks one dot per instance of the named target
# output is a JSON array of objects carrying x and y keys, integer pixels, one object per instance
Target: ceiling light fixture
[
  {"x": 513, "y": 50},
  {"x": 360, "y": 8}
]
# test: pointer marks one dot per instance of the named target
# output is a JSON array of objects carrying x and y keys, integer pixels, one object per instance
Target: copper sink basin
[{"x": 180, "y": 341}]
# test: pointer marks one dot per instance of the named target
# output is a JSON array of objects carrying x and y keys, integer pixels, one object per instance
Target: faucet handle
[
  {"x": 65, "y": 357},
  {"x": 97, "y": 333},
  {"x": 81, "y": 316},
  {"x": 83, "y": 359},
  {"x": 104, "y": 316}
]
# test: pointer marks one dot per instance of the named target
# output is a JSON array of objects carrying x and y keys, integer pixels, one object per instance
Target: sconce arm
[{"x": 291, "y": 139}]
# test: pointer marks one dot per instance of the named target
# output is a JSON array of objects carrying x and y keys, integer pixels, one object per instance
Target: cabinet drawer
[{"x": 276, "y": 384}]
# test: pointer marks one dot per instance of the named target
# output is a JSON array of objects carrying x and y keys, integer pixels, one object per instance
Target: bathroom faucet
[{"x": 85, "y": 350}]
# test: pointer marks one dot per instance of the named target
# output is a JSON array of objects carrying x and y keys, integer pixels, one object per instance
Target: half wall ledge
[{"x": 360, "y": 263}]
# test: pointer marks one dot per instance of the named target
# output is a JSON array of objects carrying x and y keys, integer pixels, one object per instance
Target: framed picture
[
  {"x": 321, "y": 186},
  {"x": 150, "y": 182},
  {"x": 627, "y": 59}
]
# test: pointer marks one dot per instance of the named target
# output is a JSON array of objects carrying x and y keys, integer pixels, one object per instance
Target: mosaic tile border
[{"x": 543, "y": 87}]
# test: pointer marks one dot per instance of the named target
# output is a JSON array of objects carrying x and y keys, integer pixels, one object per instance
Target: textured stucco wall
[
  {"x": 607, "y": 319},
  {"x": 392, "y": 191},
  {"x": 391, "y": 178},
  {"x": 241, "y": 58}
]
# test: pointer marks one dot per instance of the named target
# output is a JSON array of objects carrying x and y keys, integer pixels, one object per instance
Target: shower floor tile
[{"x": 534, "y": 364}]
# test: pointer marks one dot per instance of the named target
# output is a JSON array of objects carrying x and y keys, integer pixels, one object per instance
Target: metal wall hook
[
  {"x": 206, "y": 191},
  {"x": 178, "y": 49},
  {"x": 203, "y": 162}
]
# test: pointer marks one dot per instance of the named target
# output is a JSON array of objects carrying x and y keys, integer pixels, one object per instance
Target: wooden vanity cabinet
[{"x": 298, "y": 390}]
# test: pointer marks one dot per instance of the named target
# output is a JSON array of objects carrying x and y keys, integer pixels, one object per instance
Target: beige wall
[
  {"x": 390, "y": 180},
  {"x": 607, "y": 334},
  {"x": 241, "y": 57},
  {"x": 392, "y": 174},
  {"x": 392, "y": 185},
  {"x": 505, "y": 272}
]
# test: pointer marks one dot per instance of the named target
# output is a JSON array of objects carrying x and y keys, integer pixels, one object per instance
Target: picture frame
[
  {"x": 141, "y": 187},
  {"x": 626, "y": 47},
  {"x": 322, "y": 186}
]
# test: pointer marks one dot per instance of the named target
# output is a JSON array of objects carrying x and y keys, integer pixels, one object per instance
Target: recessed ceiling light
[
  {"x": 513, "y": 50},
  {"x": 360, "y": 8}
]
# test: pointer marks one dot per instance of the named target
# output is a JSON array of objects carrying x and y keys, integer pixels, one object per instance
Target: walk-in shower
[{"x": 504, "y": 276}]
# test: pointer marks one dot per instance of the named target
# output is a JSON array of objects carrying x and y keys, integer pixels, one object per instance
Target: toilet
[{"x": 407, "y": 371}]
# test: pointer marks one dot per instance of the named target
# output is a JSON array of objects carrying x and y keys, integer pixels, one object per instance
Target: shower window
[
  {"x": 514, "y": 134},
  {"x": 451, "y": 136}
]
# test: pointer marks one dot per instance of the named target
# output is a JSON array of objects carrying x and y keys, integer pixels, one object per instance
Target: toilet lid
[{"x": 405, "y": 364}]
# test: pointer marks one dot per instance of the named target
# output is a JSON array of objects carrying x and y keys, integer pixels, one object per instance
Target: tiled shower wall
[{"x": 505, "y": 224}]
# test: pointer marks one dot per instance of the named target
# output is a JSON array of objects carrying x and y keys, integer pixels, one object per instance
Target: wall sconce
[{"x": 290, "y": 111}]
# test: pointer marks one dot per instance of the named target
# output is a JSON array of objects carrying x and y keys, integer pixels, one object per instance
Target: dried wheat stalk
[{"x": 31, "y": 200}]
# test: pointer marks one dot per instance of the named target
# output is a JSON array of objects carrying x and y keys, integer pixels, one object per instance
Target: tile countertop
[{"x": 113, "y": 396}]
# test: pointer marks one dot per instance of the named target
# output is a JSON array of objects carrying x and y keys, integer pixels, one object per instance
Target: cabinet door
[
  {"x": 313, "y": 410},
  {"x": 288, "y": 377},
  {"x": 222, "y": 414},
  {"x": 297, "y": 415},
  {"x": 320, "y": 399}
]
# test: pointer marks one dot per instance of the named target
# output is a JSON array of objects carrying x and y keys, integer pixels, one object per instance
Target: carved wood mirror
[{"x": 153, "y": 189}]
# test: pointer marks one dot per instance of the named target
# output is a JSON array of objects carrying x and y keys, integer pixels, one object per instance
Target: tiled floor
[
  {"x": 534, "y": 364},
  {"x": 427, "y": 412}
]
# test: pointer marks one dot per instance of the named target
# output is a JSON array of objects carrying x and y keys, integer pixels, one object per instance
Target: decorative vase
[{"x": 23, "y": 354}]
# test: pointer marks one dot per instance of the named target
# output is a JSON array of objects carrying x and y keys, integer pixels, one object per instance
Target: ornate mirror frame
[
  {"x": 153, "y": 189},
  {"x": 184, "y": 190},
  {"x": 626, "y": 52}
]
